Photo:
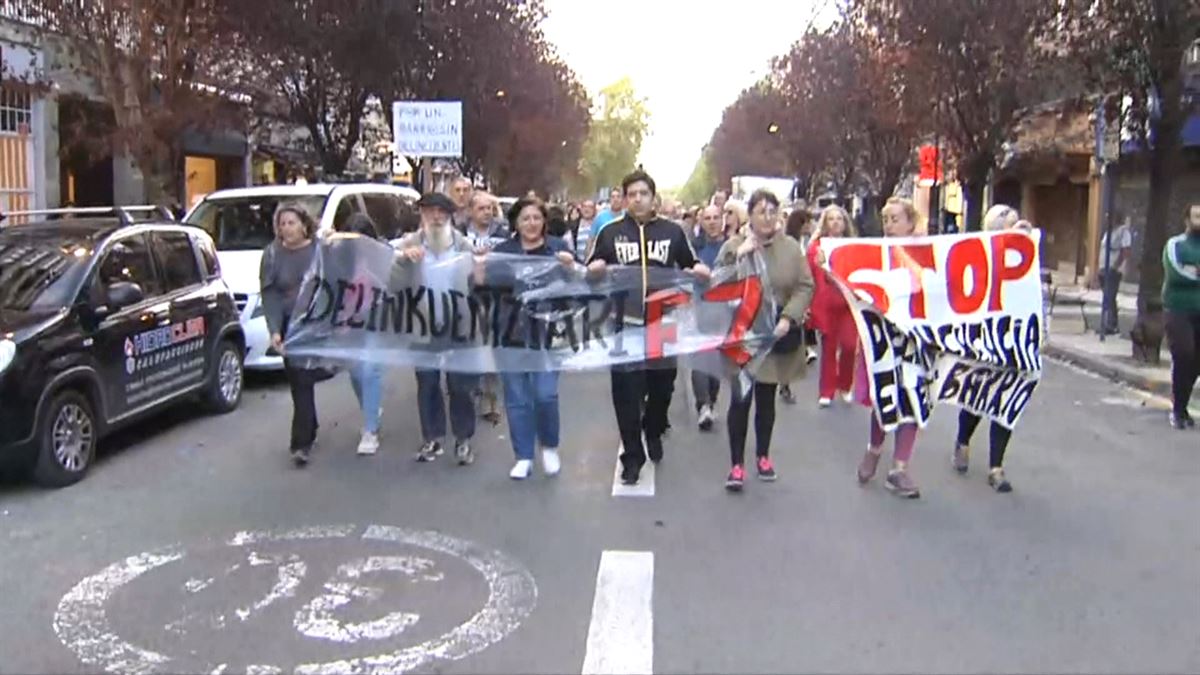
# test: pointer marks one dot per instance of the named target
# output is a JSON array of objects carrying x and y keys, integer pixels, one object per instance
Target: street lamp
[
  {"x": 772, "y": 128},
  {"x": 500, "y": 93}
]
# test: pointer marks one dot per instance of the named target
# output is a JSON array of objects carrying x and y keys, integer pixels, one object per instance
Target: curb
[{"x": 1104, "y": 368}]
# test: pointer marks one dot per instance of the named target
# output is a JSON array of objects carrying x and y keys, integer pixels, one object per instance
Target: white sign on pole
[{"x": 428, "y": 128}]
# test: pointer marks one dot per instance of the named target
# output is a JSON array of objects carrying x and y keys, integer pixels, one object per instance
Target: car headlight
[{"x": 8, "y": 350}]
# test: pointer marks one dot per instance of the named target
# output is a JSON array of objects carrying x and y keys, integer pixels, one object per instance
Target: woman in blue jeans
[
  {"x": 531, "y": 398},
  {"x": 366, "y": 377}
]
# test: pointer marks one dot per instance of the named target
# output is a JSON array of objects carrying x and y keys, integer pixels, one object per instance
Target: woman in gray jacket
[
  {"x": 790, "y": 281},
  {"x": 285, "y": 261}
]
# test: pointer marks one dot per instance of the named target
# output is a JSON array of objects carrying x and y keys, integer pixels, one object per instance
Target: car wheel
[
  {"x": 227, "y": 380},
  {"x": 66, "y": 440}
]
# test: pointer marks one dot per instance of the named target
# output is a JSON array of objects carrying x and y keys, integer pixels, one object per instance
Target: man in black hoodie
[{"x": 642, "y": 392}]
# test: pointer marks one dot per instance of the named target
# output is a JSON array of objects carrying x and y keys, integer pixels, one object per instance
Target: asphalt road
[{"x": 195, "y": 547}]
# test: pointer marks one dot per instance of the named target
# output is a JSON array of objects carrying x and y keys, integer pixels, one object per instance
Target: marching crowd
[{"x": 636, "y": 229}]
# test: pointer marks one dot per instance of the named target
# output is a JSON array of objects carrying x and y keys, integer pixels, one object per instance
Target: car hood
[
  {"x": 20, "y": 325},
  {"x": 239, "y": 269}
]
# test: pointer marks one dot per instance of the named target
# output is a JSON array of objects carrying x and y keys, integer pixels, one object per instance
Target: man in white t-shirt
[{"x": 1113, "y": 266}]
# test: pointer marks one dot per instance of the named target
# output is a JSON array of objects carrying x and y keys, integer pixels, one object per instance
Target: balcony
[{"x": 22, "y": 11}]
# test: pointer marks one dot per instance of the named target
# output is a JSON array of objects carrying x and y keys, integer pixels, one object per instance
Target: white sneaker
[
  {"x": 706, "y": 417},
  {"x": 848, "y": 397},
  {"x": 369, "y": 444},
  {"x": 551, "y": 464},
  {"x": 521, "y": 469},
  {"x": 824, "y": 402}
]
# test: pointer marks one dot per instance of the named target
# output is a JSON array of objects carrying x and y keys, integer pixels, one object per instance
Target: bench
[{"x": 1067, "y": 299}]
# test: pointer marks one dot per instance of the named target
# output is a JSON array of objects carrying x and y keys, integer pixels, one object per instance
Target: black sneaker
[
  {"x": 654, "y": 449},
  {"x": 1182, "y": 420},
  {"x": 630, "y": 476},
  {"x": 300, "y": 457},
  {"x": 429, "y": 452}
]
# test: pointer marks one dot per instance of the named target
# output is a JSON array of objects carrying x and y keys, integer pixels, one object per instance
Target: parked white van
[{"x": 239, "y": 221}]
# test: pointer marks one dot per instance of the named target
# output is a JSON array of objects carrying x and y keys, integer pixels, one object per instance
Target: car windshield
[
  {"x": 41, "y": 268},
  {"x": 244, "y": 223}
]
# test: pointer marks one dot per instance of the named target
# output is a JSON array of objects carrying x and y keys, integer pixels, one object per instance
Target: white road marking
[
  {"x": 621, "y": 635},
  {"x": 317, "y": 618},
  {"x": 82, "y": 625},
  {"x": 645, "y": 485}
]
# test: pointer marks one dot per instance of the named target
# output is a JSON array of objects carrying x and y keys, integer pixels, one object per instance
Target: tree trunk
[
  {"x": 978, "y": 171},
  {"x": 1163, "y": 159}
]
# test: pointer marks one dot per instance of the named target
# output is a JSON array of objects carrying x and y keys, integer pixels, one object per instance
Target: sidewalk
[{"x": 1112, "y": 358}]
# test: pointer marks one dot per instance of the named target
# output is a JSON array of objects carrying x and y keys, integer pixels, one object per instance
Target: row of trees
[
  {"x": 847, "y": 105},
  {"x": 166, "y": 67}
]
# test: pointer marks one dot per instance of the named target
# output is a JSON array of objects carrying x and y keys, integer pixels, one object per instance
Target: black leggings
[
  {"x": 967, "y": 422},
  {"x": 739, "y": 420},
  {"x": 1183, "y": 338}
]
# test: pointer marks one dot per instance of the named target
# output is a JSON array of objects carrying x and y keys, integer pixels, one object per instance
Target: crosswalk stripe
[
  {"x": 645, "y": 485},
  {"x": 621, "y": 635}
]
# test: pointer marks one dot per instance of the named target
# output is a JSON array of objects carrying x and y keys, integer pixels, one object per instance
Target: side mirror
[{"x": 122, "y": 294}]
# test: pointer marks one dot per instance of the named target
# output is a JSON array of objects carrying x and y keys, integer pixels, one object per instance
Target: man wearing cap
[{"x": 430, "y": 250}]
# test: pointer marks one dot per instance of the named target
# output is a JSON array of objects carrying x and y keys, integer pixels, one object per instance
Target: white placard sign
[{"x": 428, "y": 128}]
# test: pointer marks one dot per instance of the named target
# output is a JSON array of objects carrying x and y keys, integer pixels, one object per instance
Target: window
[
  {"x": 212, "y": 267},
  {"x": 176, "y": 259},
  {"x": 246, "y": 223},
  {"x": 384, "y": 210},
  {"x": 1192, "y": 57},
  {"x": 347, "y": 206},
  {"x": 16, "y": 111},
  {"x": 128, "y": 260}
]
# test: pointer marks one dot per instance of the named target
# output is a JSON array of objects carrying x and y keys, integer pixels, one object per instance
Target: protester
[
  {"x": 1113, "y": 266},
  {"x": 1181, "y": 299},
  {"x": 642, "y": 393},
  {"x": 791, "y": 285},
  {"x": 460, "y": 190},
  {"x": 530, "y": 398},
  {"x": 439, "y": 242},
  {"x": 557, "y": 225},
  {"x": 734, "y": 213},
  {"x": 900, "y": 219},
  {"x": 581, "y": 229},
  {"x": 706, "y": 387},
  {"x": 484, "y": 232},
  {"x": 285, "y": 261},
  {"x": 799, "y": 228},
  {"x": 573, "y": 212},
  {"x": 719, "y": 198},
  {"x": 366, "y": 377},
  {"x": 998, "y": 218},
  {"x": 614, "y": 211},
  {"x": 831, "y": 316},
  {"x": 691, "y": 222}
]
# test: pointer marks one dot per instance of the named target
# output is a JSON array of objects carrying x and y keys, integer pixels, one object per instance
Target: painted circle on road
[{"x": 361, "y": 618}]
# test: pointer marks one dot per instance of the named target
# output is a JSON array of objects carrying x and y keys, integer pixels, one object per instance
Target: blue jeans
[
  {"x": 432, "y": 405},
  {"x": 531, "y": 400},
  {"x": 367, "y": 381}
]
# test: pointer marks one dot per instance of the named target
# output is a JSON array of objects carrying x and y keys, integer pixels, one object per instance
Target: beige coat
[{"x": 791, "y": 282}]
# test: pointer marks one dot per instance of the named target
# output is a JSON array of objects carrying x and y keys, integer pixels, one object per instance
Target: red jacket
[{"x": 828, "y": 304}]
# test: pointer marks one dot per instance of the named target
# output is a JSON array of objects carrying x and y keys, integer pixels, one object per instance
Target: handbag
[{"x": 791, "y": 341}]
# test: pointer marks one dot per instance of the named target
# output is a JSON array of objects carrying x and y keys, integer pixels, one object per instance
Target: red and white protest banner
[{"x": 951, "y": 318}]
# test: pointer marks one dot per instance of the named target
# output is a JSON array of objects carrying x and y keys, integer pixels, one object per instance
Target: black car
[{"x": 104, "y": 321}]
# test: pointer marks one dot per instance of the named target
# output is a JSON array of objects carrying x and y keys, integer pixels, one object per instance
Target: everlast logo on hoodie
[{"x": 629, "y": 252}]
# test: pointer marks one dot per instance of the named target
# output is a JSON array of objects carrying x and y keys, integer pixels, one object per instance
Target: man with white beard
[{"x": 432, "y": 248}]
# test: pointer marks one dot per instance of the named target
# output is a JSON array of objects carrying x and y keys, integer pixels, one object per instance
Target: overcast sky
[{"x": 688, "y": 58}]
